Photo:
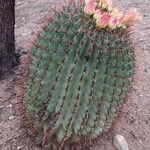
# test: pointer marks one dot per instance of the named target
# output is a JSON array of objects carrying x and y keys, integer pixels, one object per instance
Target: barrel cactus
[{"x": 79, "y": 74}]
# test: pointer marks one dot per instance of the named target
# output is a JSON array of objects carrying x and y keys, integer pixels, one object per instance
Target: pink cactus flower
[
  {"x": 97, "y": 14},
  {"x": 106, "y": 3},
  {"x": 115, "y": 11},
  {"x": 102, "y": 20},
  {"x": 131, "y": 17},
  {"x": 109, "y": 2},
  {"x": 116, "y": 21},
  {"x": 90, "y": 6},
  {"x": 88, "y": 1}
]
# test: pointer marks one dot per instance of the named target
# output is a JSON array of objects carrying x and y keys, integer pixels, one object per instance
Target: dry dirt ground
[{"x": 134, "y": 123}]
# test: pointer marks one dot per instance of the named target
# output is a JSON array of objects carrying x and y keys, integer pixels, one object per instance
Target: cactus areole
[{"x": 79, "y": 75}]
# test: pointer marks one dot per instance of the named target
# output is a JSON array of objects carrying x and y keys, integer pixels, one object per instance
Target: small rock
[
  {"x": 9, "y": 106},
  {"x": 1, "y": 107},
  {"x": 20, "y": 147},
  {"x": 120, "y": 143},
  {"x": 11, "y": 117}
]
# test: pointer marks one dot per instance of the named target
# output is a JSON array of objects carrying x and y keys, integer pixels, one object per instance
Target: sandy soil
[{"x": 134, "y": 122}]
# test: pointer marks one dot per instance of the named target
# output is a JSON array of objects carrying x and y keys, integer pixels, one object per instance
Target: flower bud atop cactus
[
  {"x": 90, "y": 7},
  {"x": 131, "y": 17},
  {"x": 106, "y": 15}
]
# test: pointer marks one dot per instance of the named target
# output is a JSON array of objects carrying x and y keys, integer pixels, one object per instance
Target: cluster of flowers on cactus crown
[{"x": 106, "y": 15}]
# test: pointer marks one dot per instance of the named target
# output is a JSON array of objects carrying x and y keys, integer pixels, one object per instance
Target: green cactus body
[{"x": 78, "y": 77}]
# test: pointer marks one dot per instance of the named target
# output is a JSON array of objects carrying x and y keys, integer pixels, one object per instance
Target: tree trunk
[{"x": 7, "y": 38}]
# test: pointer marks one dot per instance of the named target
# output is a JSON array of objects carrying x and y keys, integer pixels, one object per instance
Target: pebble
[
  {"x": 9, "y": 106},
  {"x": 20, "y": 147},
  {"x": 11, "y": 117},
  {"x": 120, "y": 143},
  {"x": 1, "y": 107}
]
